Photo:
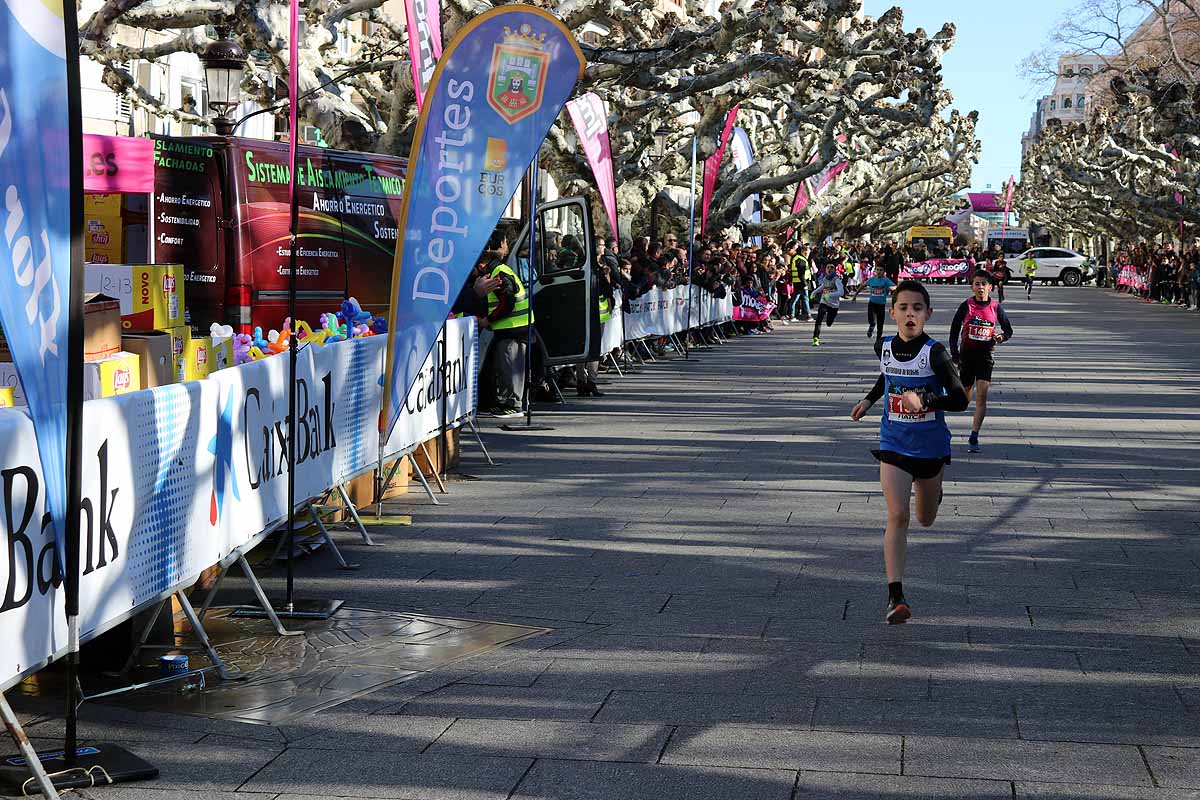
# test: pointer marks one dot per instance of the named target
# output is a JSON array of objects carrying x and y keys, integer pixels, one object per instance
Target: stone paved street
[{"x": 705, "y": 543}]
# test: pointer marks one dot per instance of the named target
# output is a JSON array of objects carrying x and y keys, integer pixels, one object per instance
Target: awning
[{"x": 117, "y": 165}]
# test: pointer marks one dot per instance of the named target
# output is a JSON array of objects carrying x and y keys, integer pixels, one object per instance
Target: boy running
[
  {"x": 881, "y": 287},
  {"x": 920, "y": 384},
  {"x": 829, "y": 293},
  {"x": 973, "y": 336},
  {"x": 1029, "y": 267},
  {"x": 999, "y": 276}
]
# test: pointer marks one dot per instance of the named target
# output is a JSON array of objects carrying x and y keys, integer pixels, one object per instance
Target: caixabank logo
[{"x": 517, "y": 78}]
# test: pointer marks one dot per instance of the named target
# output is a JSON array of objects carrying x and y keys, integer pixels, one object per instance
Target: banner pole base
[
  {"x": 99, "y": 764},
  {"x": 518, "y": 427}
]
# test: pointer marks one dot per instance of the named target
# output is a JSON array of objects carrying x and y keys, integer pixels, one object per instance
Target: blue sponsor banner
[
  {"x": 497, "y": 89},
  {"x": 35, "y": 224}
]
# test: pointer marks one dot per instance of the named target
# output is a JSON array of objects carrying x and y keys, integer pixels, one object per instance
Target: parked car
[{"x": 1055, "y": 264}]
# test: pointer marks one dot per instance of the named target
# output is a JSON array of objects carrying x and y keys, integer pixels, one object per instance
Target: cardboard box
[
  {"x": 151, "y": 295},
  {"x": 194, "y": 365},
  {"x": 157, "y": 358},
  {"x": 119, "y": 374},
  {"x": 101, "y": 326},
  {"x": 102, "y": 205},
  {"x": 103, "y": 240},
  {"x": 220, "y": 354},
  {"x": 10, "y": 380}
]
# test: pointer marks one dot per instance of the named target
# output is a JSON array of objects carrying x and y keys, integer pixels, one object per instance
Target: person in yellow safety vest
[
  {"x": 1029, "y": 266},
  {"x": 509, "y": 316},
  {"x": 800, "y": 276}
]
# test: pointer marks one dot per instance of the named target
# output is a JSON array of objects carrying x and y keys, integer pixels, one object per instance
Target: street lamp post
[
  {"x": 660, "y": 150},
  {"x": 224, "y": 65}
]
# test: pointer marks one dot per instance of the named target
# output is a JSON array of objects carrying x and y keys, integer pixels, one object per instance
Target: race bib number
[
  {"x": 878, "y": 291},
  {"x": 981, "y": 331},
  {"x": 897, "y": 413}
]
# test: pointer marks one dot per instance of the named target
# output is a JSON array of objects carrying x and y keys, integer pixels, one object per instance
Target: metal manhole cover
[{"x": 355, "y": 652}]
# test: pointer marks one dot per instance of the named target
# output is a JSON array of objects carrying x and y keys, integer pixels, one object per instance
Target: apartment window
[
  {"x": 1080, "y": 102},
  {"x": 1069, "y": 72},
  {"x": 1053, "y": 105},
  {"x": 1085, "y": 71},
  {"x": 1067, "y": 102}
]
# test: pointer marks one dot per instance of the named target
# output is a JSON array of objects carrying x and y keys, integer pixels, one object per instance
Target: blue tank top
[{"x": 921, "y": 435}]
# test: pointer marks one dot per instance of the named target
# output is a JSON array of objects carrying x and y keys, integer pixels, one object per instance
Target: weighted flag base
[
  {"x": 521, "y": 427},
  {"x": 95, "y": 765},
  {"x": 300, "y": 609}
]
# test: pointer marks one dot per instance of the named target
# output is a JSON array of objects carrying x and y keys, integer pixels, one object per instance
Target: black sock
[{"x": 895, "y": 591}]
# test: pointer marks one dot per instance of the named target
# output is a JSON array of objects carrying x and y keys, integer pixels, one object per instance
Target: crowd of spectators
[{"x": 1157, "y": 274}]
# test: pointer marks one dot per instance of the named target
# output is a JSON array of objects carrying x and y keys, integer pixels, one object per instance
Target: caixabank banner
[{"x": 178, "y": 477}]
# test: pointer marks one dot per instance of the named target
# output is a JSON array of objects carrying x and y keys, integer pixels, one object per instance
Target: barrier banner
[
  {"x": 424, "y": 19},
  {"x": 178, "y": 477},
  {"x": 591, "y": 124},
  {"x": 1134, "y": 278},
  {"x": 497, "y": 89},
  {"x": 35, "y": 246},
  {"x": 712, "y": 168},
  {"x": 662, "y": 312},
  {"x": 422, "y": 417},
  {"x": 753, "y": 309},
  {"x": 938, "y": 268}
]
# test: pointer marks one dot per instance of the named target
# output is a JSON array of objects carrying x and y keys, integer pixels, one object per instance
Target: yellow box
[
  {"x": 8, "y": 397},
  {"x": 194, "y": 366},
  {"x": 119, "y": 374},
  {"x": 220, "y": 354},
  {"x": 102, "y": 205},
  {"x": 103, "y": 240},
  {"x": 151, "y": 295},
  {"x": 10, "y": 380}
]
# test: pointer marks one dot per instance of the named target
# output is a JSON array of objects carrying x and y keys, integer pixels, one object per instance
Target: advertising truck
[{"x": 221, "y": 209}]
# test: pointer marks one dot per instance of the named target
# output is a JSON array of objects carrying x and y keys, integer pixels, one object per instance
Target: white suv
[{"x": 1054, "y": 264}]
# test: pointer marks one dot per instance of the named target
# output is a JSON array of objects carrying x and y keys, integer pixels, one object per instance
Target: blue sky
[{"x": 981, "y": 69}]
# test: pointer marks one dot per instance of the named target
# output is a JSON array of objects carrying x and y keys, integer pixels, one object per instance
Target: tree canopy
[{"x": 817, "y": 83}]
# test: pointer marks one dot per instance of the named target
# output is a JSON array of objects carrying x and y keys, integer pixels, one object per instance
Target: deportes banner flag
[
  {"x": 742, "y": 153},
  {"x": 35, "y": 239},
  {"x": 712, "y": 168},
  {"x": 591, "y": 123},
  {"x": 497, "y": 89},
  {"x": 424, "y": 42}
]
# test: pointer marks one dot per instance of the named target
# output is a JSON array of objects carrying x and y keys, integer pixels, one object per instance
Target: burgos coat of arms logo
[{"x": 518, "y": 74}]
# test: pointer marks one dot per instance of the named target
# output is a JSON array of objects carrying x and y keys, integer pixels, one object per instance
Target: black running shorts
[
  {"x": 975, "y": 365},
  {"x": 922, "y": 469}
]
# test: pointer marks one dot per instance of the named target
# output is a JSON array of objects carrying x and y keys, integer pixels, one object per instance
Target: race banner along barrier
[
  {"x": 421, "y": 418},
  {"x": 663, "y": 312},
  {"x": 1134, "y": 278},
  {"x": 178, "y": 477},
  {"x": 938, "y": 268}
]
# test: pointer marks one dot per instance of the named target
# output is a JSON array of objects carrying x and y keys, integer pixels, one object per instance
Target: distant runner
[
  {"x": 973, "y": 337},
  {"x": 880, "y": 286}
]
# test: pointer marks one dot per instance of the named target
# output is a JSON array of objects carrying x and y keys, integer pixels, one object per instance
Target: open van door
[{"x": 565, "y": 308}]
